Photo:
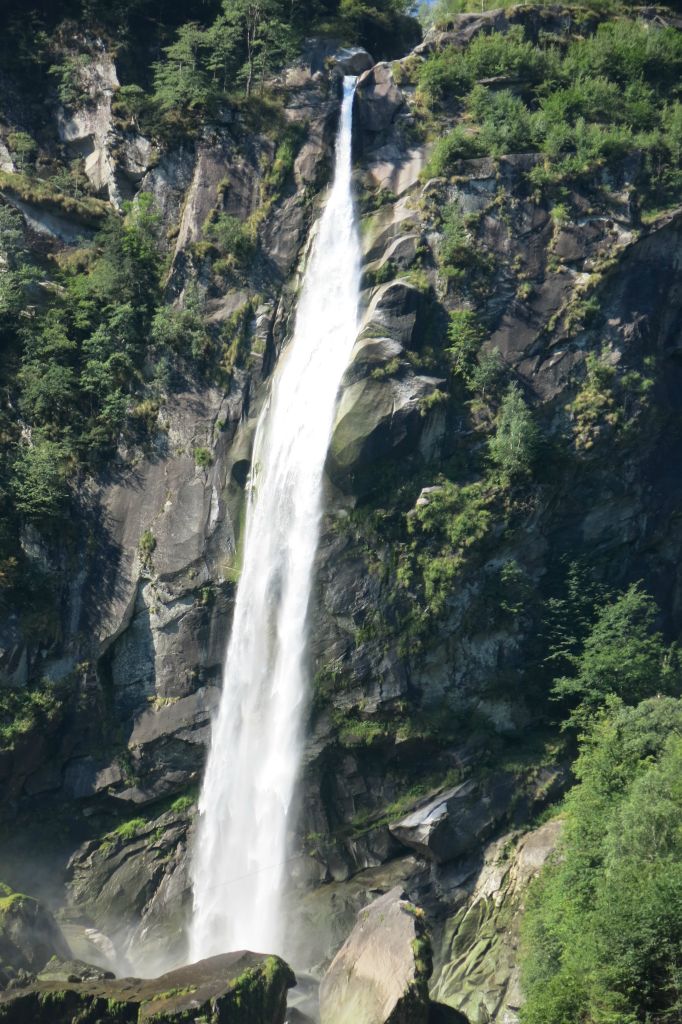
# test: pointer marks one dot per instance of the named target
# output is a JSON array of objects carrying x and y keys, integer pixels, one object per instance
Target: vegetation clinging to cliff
[
  {"x": 580, "y": 105},
  {"x": 603, "y": 929}
]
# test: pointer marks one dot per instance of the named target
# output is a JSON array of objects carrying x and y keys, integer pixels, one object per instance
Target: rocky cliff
[{"x": 431, "y": 748}]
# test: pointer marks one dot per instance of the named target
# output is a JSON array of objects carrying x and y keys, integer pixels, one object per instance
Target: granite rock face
[
  {"x": 392, "y": 793},
  {"x": 380, "y": 974}
]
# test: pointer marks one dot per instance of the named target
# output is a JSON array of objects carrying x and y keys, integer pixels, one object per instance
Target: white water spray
[{"x": 239, "y": 863}]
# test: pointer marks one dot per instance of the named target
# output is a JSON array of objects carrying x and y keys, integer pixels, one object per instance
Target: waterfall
[{"x": 239, "y": 866}]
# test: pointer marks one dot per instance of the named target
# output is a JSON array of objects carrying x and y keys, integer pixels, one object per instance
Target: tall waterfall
[{"x": 240, "y": 861}]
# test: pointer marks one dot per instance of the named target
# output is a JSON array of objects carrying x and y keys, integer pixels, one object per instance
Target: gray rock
[
  {"x": 376, "y": 419},
  {"x": 380, "y": 974},
  {"x": 134, "y": 889},
  {"x": 455, "y": 821},
  {"x": 378, "y": 99},
  {"x": 397, "y": 310},
  {"x": 235, "y": 986},
  {"x": 352, "y": 60},
  {"x": 72, "y": 971},
  {"x": 476, "y": 951},
  {"x": 29, "y": 935}
]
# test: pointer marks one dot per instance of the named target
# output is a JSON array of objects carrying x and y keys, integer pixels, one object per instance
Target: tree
[
  {"x": 515, "y": 443},
  {"x": 622, "y": 656},
  {"x": 39, "y": 484},
  {"x": 466, "y": 335},
  {"x": 602, "y": 933},
  {"x": 181, "y": 80},
  {"x": 488, "y": 374}
]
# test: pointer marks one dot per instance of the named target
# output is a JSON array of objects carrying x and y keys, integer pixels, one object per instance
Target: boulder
[
  {"x": 452, "y": 823},
  {"x": 352, "y": 60},
  {"x": 133, "y": 886},
  {"x": 378, "y": 99},
  {"x": 29, "y": 936},
  {"x": 380, "y": 975},
  {"x": 398, "y": 309},
  {"x": 72, "y": 971},
  {"x": 244, "y": 988},
  {"x": 376, "y": 419}
]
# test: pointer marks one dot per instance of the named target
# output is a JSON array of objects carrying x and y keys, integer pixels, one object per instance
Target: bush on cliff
[
  {"x": 622, "y": 656},
  {"x": 602, "y": 936}
]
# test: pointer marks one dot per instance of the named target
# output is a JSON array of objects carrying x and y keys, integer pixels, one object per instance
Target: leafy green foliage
[
  {"x": 231, "y": 237},
  {"x": 69, "y": 78},
  {"x": 609, "y": 94},
  {"x": 621, "y": 656},
  {"x": 458, "y": 144},
  {"x": 610, "y": 402},
  {"x": 40, "y": 482},
  {"x": 466, "y": 334},
  {"x": 603, "y": 930},
  {"x": 250, "y": 39},
  {"x": 21, "y": 710},
  {"x": 23, "y": 148},
  {"x": 514, "y": 445}
]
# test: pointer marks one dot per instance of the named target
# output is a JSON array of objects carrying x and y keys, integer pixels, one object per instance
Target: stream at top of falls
[{"x": 239, "y": 864}]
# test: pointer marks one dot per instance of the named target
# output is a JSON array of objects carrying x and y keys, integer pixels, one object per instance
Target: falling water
[{"x": 239, "y": 864}]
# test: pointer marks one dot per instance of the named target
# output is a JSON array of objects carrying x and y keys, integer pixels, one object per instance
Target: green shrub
[
  {"x": 602, "y": 933},
  {"x": 487, "y": 376},
  {"x": 445, "y": 75},
  {"x": 458, "y": 144},
  {"x": 622, "y": 656},
  {"x": 181, "y": 329},
  {"x": 203, "y": 457},
  {"x": 507, "y": 125},
  {"x": 24, "y": 149},
  {"x": 231, "y": 237},
  {"x": 510, "y": 55},
  {"x": 23, "y": 710},
  {"x": 40, "y": 484},
  {"x": 69, "y": 76},
  {"x": 455, "y": 248},
  {"x": 466, "y": 335},
  {"x": 147, "y": 546},
  {"x": 515, "y": 443}
]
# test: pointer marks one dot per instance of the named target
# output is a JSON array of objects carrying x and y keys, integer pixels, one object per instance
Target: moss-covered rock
[
  {"x": 29, "y": 935},
  {"x": 242, "y": 988},
  {"x": 380, "y": 974}
]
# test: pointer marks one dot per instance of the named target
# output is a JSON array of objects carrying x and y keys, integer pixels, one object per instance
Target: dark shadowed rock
[
  {"x": 380, "y": 974},
  {"x": 29, "y": 935},
  {"x": 378, "y": 99},
  {"x": 455, "y": 821},
  {"x": 242, "y": 988}
]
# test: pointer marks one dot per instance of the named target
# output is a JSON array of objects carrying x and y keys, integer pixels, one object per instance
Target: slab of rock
[
  {"x": 476, "y": 957},
  {"x": 376, "y": 419},
  {"x": 29, "y": 936},
  {"x": 453, "y": 822},
  {"x": 73, "y": 971},
  {"x": 378, "y": 99},
  {"x": 380, "y": 974},
  {"x": 243, "y": 988}
]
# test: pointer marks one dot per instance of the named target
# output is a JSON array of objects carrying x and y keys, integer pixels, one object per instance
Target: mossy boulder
[
  {"x": 29, "y": 936},
  {"x": 242, "y": 988},
  {"x": 380, "y": 975}
]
